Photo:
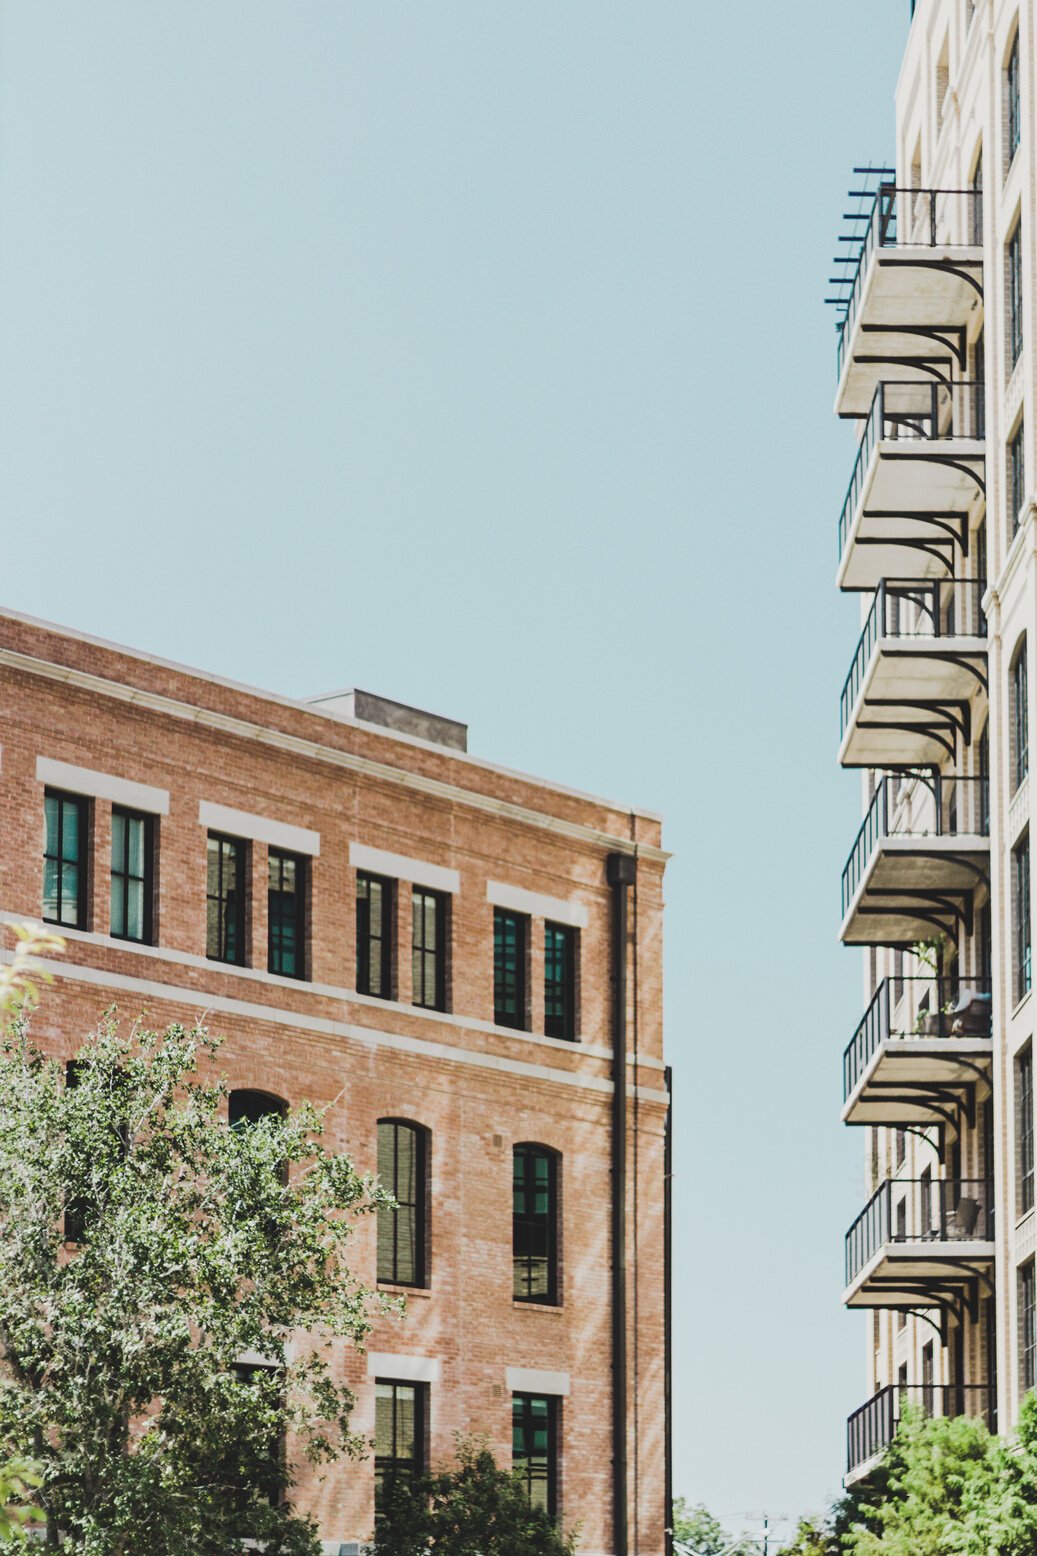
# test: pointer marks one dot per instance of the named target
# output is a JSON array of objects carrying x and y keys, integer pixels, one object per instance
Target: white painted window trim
[
  {"x": 301, "y": 987},
  {"x": 534, "y": 1380},
  {"x": 403, "y": 1369},
  {"x": 259, "y": 829},
  {"x": 102, "y": 786},
  {"x": 401, "y": 868},
  {"x": 536, "y": 905}
]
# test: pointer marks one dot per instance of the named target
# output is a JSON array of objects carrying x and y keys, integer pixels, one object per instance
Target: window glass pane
[
  {"x": 69, "y": 913},
  {"x": 70, "y": 831},
  {"x": 135, "y": 910},
  {"x": 50, "y": 888},
  {"x": 51, "y": 812},
  {"x": 135, "y": 849},
  {"x": 212, "y": 879},
  {"x": 118, "y": 843}
]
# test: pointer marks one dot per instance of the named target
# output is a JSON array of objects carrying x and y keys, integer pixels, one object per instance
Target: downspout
[
  {"x": 620, "y": 871},
  {"x": 668, "y": 1309}
]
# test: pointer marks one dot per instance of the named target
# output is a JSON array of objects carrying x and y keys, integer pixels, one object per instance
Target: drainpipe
[{"x": 620, "y": 870}]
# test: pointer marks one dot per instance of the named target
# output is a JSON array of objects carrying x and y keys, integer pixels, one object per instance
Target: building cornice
[{"x": 312, "y": 750}]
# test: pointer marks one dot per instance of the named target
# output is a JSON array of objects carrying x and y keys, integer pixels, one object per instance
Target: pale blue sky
[{"x": 474, "y": 352}]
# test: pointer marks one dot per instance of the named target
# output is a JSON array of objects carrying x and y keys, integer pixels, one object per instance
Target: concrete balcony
[
  {"x": 921, "y": 851},
  {"x": 921, "y": 1055},
  {"x": 919, "y": 472},
  {"x": 911, "y": 277},
  {"x": 871, "y": 1429},
  {"x": 920, "y": 661},
  {"x": 923, "y": 1242}
]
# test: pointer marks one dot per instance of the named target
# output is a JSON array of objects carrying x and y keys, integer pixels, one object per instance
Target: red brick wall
[{"x": 374, "y": 1058}]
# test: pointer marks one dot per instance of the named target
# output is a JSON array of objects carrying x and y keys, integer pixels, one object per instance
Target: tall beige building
[{"x": 938, "y": 537}]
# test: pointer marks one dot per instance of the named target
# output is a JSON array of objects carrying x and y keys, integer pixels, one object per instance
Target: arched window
[
  {"x": 248, "y": 1107},
  {"x": 1020, "y": 719},
  {"x": 403, "y": 1170},
  {"x": 535, "y": 1224},
  {"x": 245, "y": 1108}
]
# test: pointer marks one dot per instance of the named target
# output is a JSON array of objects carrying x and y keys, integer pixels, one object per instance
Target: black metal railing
[
  {"x": 871, "y": 1429},
  {"x": 924, "y": 218},
  {"x": 918, "y": 804},
  {"x": 902, "y": 410},
  {"x": 917, "y": 1007},
  {"x": 920, "y": 1210},
  {"x": 907, "y": 608}
]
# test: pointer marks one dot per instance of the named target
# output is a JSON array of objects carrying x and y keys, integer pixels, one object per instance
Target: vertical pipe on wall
[{"x": 620, "y": 871}]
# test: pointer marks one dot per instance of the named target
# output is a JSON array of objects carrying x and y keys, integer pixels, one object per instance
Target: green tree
[
  {"x": 935, "y": 1472},
  {"x": 474, "y": 1509},
  {"x": 196, "y": 1245},
  {"x": 1003, "y": 1517},
  {"x": 703, "y": 1535}
]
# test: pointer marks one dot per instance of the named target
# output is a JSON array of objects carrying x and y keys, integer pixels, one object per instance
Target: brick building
[{"x": 375, "y": 919}]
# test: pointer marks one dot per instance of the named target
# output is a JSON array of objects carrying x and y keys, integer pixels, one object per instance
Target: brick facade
[{"x": 475, "y": 1087}]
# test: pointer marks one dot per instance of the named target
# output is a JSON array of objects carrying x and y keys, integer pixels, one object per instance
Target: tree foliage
[
  {"x": 945, "y": 1487},
  {"x": 703, "y": 1535},
  {"x": 474, "y": 1509},
  {"x": 196, "y": 1245}
]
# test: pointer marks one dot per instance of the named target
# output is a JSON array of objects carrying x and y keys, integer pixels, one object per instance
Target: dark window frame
[
  {"x": 124, "y": 876},
  {"x": 275, "y": 950},
  {"x": 524, "y": 1426},
  {"x": 509, "y": 984},
  {"x": 418, "y": 1207},
  {"x": 1014, "y": 294},
  {"x": 560, "y": 1007},
  {"x": 528, "y": 1228},
  {"x": 1024, "y": 1136},
  {"x": 1022, "y": 933},
  {"x": 1016, "y": 477},
  {"x": 1020, "y": 717},
  {"x": 421, "y": 953},
  {"x": 1028, "y": 1325},
  {"x": 389, "y": 1468},
  {"x": 1013, "y": 102},
  {"x": 366, "y": 940},
  {"x": 81, "y": 805},
  {"x": 259, "y": 1105},
  {"x": 226, "y": 927}
]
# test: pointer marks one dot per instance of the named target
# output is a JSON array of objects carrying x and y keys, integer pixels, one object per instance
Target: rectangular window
[
  {"x": 1028, "y": 1326},
  {"x": 132, "y": 843},
  {"x": 428, "y": 949},
  {"x": 225, "y": 899},
  {"x": 900, "y": 1138},
  {"x": 509, "y": 968},
  {"x": 1016, "y": 479},
  {"x": 286, "y": 914},
  {"x": 1020, "y": 719},
  {"x": 560, "y": 981},
  {"x": 1013, "y": 115},
  {"x": 399, "y": 1437},
  {"x": 534, "y": 1451},
  {"x": 1024, "y": 1109},
  {"x": 402, "y": 1169},
  {"x": 1014, "y": 298},
  {"x": 64, "y": 859},
  {"x": 928, "y": 1375},
  {"x": 374, "y": 910},
  {"x": 1021, "y": 893},
  {"x": 534, "y": 1225}
]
